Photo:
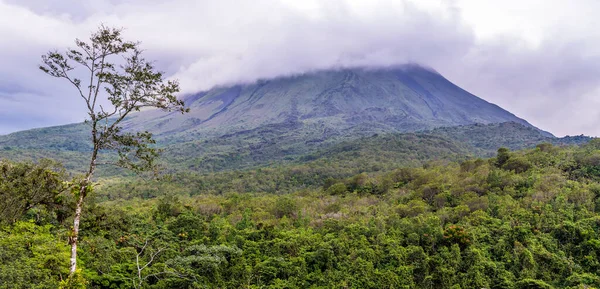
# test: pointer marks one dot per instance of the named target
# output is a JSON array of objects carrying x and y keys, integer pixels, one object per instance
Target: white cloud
[{"x": 537, "y": 59}]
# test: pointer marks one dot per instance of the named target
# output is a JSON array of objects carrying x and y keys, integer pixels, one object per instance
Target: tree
[
  {"x": 31, "y": 256},
  {"x": 114, "y": 80},
  {"x": 24, "y": 186},
  {"x": 502, "y": 157},
  {"x": 138, "y": 281}
]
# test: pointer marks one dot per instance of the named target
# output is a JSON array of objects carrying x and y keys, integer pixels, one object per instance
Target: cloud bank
[{"x": 535, "y": 59}]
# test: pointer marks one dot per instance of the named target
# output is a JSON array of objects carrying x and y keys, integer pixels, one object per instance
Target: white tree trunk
[
  {"x": 83, "y": 190},
  {"x": 75, "y": 232}
]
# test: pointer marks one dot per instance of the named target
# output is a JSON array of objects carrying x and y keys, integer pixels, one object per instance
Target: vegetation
[
  {"x": 118, "y": 81},
  {"x": 26, "y": 187},
  {"x": 523, "y": 219}
]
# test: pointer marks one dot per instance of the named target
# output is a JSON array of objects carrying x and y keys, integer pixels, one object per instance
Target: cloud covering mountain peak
[{"x": 206, "y": 43}]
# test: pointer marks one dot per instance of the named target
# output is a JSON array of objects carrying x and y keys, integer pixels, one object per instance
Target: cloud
[
  {"x": 338, "y": 36},
  {"x": 554, "y": 86},
  {"x": 533, "y": 60}
]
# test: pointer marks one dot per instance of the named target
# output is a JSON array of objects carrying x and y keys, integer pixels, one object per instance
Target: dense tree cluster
[
  {"x": 524, "y": 219},
  {"x": 27, "y": 188}
]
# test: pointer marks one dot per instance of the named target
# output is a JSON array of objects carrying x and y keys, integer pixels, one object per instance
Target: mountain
[
  {"x": 295, "y": 118},
  {"x": 332, "y": 102}
]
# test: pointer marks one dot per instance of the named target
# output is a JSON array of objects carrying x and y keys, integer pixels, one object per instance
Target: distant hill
[
  {"x": 488, "y": 138},
  {"x": 274, "y": 145}
]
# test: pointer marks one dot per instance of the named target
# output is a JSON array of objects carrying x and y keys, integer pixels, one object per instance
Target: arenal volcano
[{"x": 399, "y": 99}]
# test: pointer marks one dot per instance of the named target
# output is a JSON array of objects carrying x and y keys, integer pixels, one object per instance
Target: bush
[
  {"x": 285, "y": 206},
  {"x": 337, "y": 189},
  {"x": 75, "y": 281},
  {"x": 517, "y": 165}
]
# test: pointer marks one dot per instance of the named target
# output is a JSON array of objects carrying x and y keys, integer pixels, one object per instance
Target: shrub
[
  {"x": 337, "y": 189},
  {"x": 285, "y": 206}
]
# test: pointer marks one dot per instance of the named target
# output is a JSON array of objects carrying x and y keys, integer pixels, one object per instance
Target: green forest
[{"x": 521, "y": 219}]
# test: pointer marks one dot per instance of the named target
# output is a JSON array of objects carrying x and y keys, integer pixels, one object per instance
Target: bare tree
[
  {"x": 145, "y": 260},
  {"x": 137, "y": 283},
  {"x": 113, "y": 80}
]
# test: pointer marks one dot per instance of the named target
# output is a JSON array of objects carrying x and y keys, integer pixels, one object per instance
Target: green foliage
[
  {"x": 532, "y": 284},
  {"x": 74, "y": 281},
  {"x": 337, "y": 189},
  {"x": 456, "y": 235},
  {"x": 28, "y": 186},
  {"x": 517, "y": 164},
  {"x": 502, "y": 157},
  {"x": 285, "y": 207},
  {"x": 32, "y": 256},
  {"x": 467, "y": 224}
]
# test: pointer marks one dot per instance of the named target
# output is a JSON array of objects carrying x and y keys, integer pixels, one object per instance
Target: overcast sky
[{"x": 539, "y": 59}]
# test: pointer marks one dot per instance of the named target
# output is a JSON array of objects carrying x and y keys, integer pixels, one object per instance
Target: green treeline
[{"x": 524, "y": 219}]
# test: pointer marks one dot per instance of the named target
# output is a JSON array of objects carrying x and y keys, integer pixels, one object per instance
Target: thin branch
[
  {"x": 91, "y": 86},
  {"x": 137, "y": 262},
  {"x": 152, "y": 256},
  {"x": 78, "y": 86},
  {"x": 140, "y": 269},
  {"x": 98, "y": 79}
]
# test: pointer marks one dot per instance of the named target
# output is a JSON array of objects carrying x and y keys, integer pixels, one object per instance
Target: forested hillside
[
  {"x": 522, "y": 219},
  {"x": 276, "y": 145}
]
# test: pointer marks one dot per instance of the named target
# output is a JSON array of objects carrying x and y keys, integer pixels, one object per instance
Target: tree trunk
[
  {"x": 75, "y": 232},
  {"x": 82, "y": 194}
]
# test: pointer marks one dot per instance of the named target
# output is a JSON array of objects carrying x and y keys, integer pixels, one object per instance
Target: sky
[{"x": 539, "y": 59}]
